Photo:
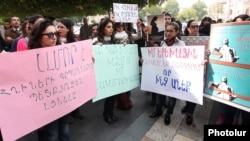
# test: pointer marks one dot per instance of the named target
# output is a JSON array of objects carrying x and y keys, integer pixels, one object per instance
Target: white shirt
[{"x": 177, "y": 42}]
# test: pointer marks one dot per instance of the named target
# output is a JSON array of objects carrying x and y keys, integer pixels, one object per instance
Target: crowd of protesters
[{"x": 36, "y": 31}]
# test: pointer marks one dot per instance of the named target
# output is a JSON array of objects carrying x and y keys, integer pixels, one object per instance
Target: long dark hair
[
  {"x": 186, "y": 32},
  {"x": 241, "y": 16},
  {"x": 36, "y": 34},
  {"x": 104, "y": 22},
  {"x": 24, "y": 27},
  {"x": 153, "y": 20},
  {"x": 32, "y": 19},
  {"x": 70, "y": 34}
]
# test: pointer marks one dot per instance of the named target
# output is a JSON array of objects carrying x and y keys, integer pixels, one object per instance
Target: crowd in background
[{"x": 36, "y": 31}]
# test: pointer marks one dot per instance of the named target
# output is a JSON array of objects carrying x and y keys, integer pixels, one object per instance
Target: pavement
[{"x": 135, "y": 124}]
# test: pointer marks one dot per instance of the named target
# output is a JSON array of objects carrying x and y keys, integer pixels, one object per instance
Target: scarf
[
  {"x": 107, "y": 38},
  {"x": 120, "y": 37},
  {"x": 170, "y": 42}
]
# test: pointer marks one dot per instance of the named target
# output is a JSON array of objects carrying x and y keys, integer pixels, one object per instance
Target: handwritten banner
[
  {"x": 41, "y": 85},
  {"x": 228, "y": 74},
  {"x": 174, "y": 71},
  {"x": 116, "y": 69},
  {"x": 126, "y": 13}
]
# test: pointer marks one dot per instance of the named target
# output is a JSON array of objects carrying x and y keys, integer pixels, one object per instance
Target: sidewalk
[
  {"x": 135, "y": 124},
  {"x": 178, "y": 130}
]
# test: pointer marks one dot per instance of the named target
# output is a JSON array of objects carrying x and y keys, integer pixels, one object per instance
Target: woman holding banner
[
  {"x": 172, "y": 39},
  {"x": 66, "y": 34},
  {"x": 106, "y": 36},
  {"x": 192, "y": 29},
  {"x": 42, "y": 35}
]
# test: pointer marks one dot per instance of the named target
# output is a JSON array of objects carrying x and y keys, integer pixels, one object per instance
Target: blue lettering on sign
[
  {"x": 181, "y": 85},
  {"x": 161, "y": 80}
]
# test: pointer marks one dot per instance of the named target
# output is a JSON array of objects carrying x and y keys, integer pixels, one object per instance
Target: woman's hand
[
  {"x": 99, "y": 43},
  {"x": 141, "y": 60},
  {"x": 93, "y": 59},
  {"x": 138, "y": 23}
]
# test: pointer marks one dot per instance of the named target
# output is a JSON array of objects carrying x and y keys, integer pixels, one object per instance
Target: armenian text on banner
[
  {"x": 228, "y": 73},
  {"x": 41, "y": 85},
  {"x": 116, "y": 69},
  {"x": 126, "y": 13},
  {"x": 174, "y": 71}
]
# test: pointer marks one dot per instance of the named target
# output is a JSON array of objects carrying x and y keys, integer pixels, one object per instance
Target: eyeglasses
[
  {"x": 51, "y": 34},
  {"x": 194, "y": 26}
]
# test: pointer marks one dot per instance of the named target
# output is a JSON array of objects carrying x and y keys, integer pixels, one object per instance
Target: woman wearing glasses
[
  {"x": 172, "y": 39},
  {"x": 192, "y": 29},
  {"x": 43, "y": 35}
]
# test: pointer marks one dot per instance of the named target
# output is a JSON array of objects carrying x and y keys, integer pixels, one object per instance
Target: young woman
[
  {"x": 106, "y": 36},
  {"x": 171, "y": 33},
  {"x": 94, "y": 30},
  {"x": 192, "y": 29},
  {"x": 42, "y": 35},
  {"x": 154, "y": 30},
  {"x": 66, "y": 35},
  {"x": 65, "y": 31},
  {"x": 204, "y": 21},
  {"x": 125, "y": 36},
  {"x": 22, "y": 44}
]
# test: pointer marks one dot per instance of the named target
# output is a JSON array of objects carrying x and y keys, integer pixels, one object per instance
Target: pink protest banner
[{"x": 40, "y": 85}]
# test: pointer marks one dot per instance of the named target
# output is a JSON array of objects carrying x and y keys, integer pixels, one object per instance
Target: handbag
[{"x": 123, "y": 102}]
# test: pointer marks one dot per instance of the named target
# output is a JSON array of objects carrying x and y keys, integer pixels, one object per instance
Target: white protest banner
[
  {"x": 126, "y": 13},
  {"x": 174, "y": 71}
]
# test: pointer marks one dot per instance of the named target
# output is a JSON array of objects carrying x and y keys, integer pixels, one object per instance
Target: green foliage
[
  {"x": 187, "y": 14},
  {"x": 172, "y": 7},
  {"x": 196, "y": 12},
  {"x": 63, "y": 8},
  {"x": 154, "y": 10},
  {"x": 201, "y": 9},
  {"x": 215, "y": 10},
  {"x": 149, "y": 10},
  {"x": 142, "y": 14},
  {"x": 93, "y": 21}
]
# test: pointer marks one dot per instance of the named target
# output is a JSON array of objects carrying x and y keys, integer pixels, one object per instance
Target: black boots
[
  {"x": 155, "y": 114},
  {"x": 189, "y": 119},
  {"x": 167, "y": 119},
  {"x": 184, "y": 110},
  {"x": 110, "y": 118}
]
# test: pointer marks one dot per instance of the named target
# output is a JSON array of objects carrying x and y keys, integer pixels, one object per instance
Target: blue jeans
[{"x": 58, "y": 130}]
